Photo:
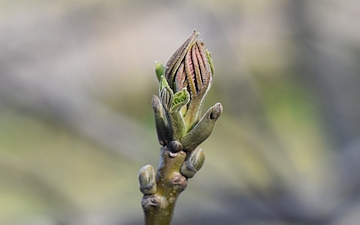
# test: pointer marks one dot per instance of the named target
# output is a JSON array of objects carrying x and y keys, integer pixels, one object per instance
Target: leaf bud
[
  {"x": 175, "y": 146},
  {"x": 147, "y": 180},
  {"x": 202, "y": 129},
  {"x": 193, "y": 163},
  {"x": 161, "y": 127},
  {"x": 159, "y": 69},
  {"x": 191, "y": 67}
]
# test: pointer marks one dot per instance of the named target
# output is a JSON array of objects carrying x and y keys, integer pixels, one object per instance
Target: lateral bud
[
  {"x": 159, "y": 69},
  {"x": 161, "y": 128},
  {"x": 166, "y": 96},
  {"x": 175, "y": 146},
  {"x": 147, "y": 180},
  {"x": 193, "y": 163},
  {"x": 202, "y": 129}
]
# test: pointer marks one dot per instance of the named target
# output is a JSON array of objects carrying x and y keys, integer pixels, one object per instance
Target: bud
[
  {"x": 202, "y": 129},
  {"x": 193, "y": 163},
  {"x": 161, "y": 127},
  {"x": 184, "y": 83},
  {"x": 147, "y": 180},
  {"x": 159, "y": 69},
  {"x": 175, "y": 146},
  {"x": 191, "y": 67},
  {"x": 172, "y": 105},
  {"x": 166, "y": 96}
]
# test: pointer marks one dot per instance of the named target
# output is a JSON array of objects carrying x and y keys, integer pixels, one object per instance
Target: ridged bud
[
  {"x": 191, "y": 67},
  {"x": 166, "y": 96},
  {"x": 184, "y": 83},
  {"x": 193, "y": 163},
  {"x": 147, "y": 180}
]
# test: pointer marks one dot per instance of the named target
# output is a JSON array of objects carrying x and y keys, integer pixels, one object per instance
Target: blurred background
[{"x": 77, "y": 77}]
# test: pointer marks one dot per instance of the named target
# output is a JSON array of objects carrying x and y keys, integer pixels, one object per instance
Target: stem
[
  {"x": 159, "y": 207},
  {"x": 184, "y": 81}
]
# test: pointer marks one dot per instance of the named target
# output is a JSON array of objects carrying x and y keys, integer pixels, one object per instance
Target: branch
[{"x": 183, "y": 84}]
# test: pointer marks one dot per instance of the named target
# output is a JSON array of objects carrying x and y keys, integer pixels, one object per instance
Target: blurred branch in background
[
  {"x": 327, "y": 60},
  {"x": 75, "y": 81},
  {"x": 327, "y": 63}
]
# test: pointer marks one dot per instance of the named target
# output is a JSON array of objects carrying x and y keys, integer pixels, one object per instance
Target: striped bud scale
[{"x": 191, "y": 67}]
